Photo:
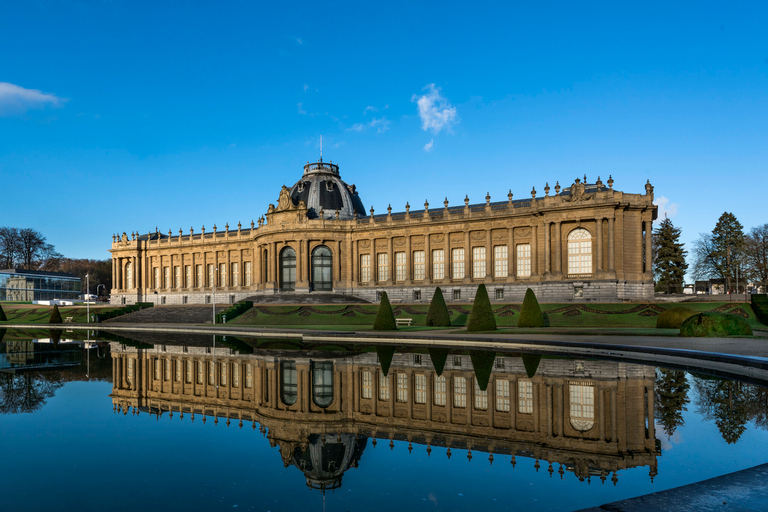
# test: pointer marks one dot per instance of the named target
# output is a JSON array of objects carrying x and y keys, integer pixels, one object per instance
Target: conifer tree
[
  {"x": 669, "y": 265},
  {"x": 530, "y": 312},
  {"x": 55, "y": 316},
  {"x": 438, "y": 315},
  {"x": 385, "y": 319},
  {"x": 3, "y": 318},
  {"x": 671, "y": 399},
  {"x": 481, "y": 317}
]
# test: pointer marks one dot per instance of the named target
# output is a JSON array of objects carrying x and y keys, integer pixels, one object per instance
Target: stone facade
[
  {"x": 587, "y": 242},
  {"x": 591, "y": 417}
]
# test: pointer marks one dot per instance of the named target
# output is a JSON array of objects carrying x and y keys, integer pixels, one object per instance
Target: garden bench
[
  {"x": 403, "y": 321},
  {"x": 68, "y": 319}
]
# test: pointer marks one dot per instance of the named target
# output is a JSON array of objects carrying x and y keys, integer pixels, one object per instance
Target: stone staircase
[
  {"x": 170, "y": 315},
  {"x": 306, "y": 298}
]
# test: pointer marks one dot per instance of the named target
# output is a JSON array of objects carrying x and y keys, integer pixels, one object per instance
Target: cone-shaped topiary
[
  {"x": 385, "y": 353},
  {"x": 385, "y": 319},
  {"x": 530, "y": 313},
  {"x": 438, "y": 315},
  {"x": 715, "y": 325},
  {"x": 531, "y": 363},
  {"x": 55, "y": 316},
  {"x": 55, "y": 335},
  {"x": 3, "y": 318},
  {"x": 438, "y": 357},
  {"x": 482, "y": 362},
  {"x": 674, "y": 317},
  {"x": 481, "y": 318},
  {"x": 2, "y": 333}
]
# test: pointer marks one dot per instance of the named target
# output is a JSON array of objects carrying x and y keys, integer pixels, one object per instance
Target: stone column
[
  {"x": 271, "y": 264},
  {"x": 427, "y": 260},
  {"x": 114, "y": 273},
  {"x": 354, "y": 277},
  {"x": 448, "y": 257},
  {"x": 650, "y": 431},
  {"x": 611, "y": 248},
  {"x": 547, "y": 248},
  {"x": 390, "y": 261},
  {"x": 374, "y": 263},
  {"x": 614, "y": 416},
  {"x": 338, "y": 265},
  {"x": 599, "y": 233},
  {"x": 467, "y": 256},
  {"x": 558, "y": 249},
  {"x": 648, "y": 246},
  {"x": 408, "y": 260},
  {"x": 489, "y": 256},
  {"x": 600, "y": 393},
  {"x": 534, "y": 250},
  {"x": 512, "y": 255}
]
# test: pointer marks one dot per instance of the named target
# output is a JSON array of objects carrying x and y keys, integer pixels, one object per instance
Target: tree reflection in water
[
  {"x": 27, "y": 392},
  {"x": 731, "y": 404},
  {"x": 671, "y": 399}
]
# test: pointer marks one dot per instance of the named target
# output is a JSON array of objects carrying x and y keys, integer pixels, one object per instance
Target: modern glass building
[{"x": 28, "y": 285}]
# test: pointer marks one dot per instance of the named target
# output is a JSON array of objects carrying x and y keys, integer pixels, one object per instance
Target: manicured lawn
[{"x": 33, "y": 314}]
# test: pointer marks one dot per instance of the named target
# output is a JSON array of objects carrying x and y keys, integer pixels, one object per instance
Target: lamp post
[
  {"x": 87, "y": 299},
  {"x": 97, "y": 288}
]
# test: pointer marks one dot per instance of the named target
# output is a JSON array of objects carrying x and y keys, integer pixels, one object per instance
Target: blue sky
[{"x": 123, "y": 116}]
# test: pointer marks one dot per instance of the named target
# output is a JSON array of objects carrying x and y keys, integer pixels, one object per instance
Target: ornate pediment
[{"x": 578, "y": 193}]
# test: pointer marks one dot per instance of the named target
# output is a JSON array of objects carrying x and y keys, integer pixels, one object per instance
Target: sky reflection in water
[{"x": 74, "y": 452}]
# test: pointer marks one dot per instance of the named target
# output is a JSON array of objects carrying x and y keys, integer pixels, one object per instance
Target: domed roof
[
  {"x": 327, "y": 457},
  {"x": 322, "y": 189}
]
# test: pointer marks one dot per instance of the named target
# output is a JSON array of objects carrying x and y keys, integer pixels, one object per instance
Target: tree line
[
  {"x": 28, "y": 249},
  {"x": 726, "y": 253}
]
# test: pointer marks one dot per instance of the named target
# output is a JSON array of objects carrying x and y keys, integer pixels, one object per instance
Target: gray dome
[
  {"x": 327, "y": 457},
  {"x": 321, "y": 188}
]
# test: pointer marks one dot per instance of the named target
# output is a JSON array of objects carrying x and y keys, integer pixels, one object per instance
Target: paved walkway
[{"x": 742, "y": 491}]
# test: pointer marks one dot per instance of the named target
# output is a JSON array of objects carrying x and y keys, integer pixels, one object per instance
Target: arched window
[
  {"x": 322, "y": 274},
  {"x": 322, "y": 384},
  {"x": 129, "y": 275},
  {"x": 287, "y": 269},
  {"x": 288, "y": 382},
  {"x": 579, "y": 252},
  {"x": 582, "y": 397}
]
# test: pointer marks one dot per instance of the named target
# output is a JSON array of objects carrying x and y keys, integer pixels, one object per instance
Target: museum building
[{"x": 586, "y": 242}]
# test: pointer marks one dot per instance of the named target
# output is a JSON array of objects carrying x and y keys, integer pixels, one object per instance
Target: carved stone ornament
[
  {"x": 399, "y": 242},
  {"x": 437, "y": 238},
  {"x": 577, "y": 192},
  {"x": 284, "y": 202},
  {"x": 478, "y": 235},
  {"x": 124, "y": 239}
]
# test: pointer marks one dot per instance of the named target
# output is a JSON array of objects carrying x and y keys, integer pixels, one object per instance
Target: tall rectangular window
[
  {"x": 189, "y": 371},
  {"x": 459, "y": 392},
  {"x": 365, "y": 268},
  {"x": 383, "y": 387},
  {"x": 129, "y": 275},
  {"x": 247, "y": 269},
  {"x": 478, "y": 262},
  {"x": 402, "y": 387},
  {"x": 524, "y": 396},
  {"x": 199, "y": 273},
  {"x": 211, "y": 374},
  {"x": 481, "y": 398},
  {"x": 167, "y": 369},
  {"x": 457, "y": 258},
  {"x": 502, "y": 395},
  {"x": 524, "y": 260},
  {"x": 236, "y": 375},
  {"x": 235, "y": 274},
  {"x": 167, "y": 277},
  {"x": 210, "y": 275},
  {"x": 177, "y": 276},
  {"x": 223, "y": 275},
  {"x": 367, "y": 384},
  {"x": 438, "y": 264},
  {"x": 200, "y": 372},
  {"x": 223, "y": 371},
  {"x": 248, "y": 376},
  {"x": 157, "y": 369},
  {"x": 440, "y": 390},
  {"x": 156, "y": 275},
  {"x": 420, "y": 385},
  {"x": 500, "y": 261},
  {"x": 419, "y": 266},
  {"x": 400, "y": 266},
  {"x": 187, "y": 276},
  {"x": 383, "y": 266}
]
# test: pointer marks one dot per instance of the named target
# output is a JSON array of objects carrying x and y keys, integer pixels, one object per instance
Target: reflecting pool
[{"x": 199, "y": 422}]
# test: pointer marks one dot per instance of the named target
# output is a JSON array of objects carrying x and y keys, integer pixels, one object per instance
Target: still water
[{"x": 196, "y": 423}]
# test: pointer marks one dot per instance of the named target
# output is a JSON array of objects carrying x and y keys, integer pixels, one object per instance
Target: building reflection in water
[{"x": 591, "y": 418}]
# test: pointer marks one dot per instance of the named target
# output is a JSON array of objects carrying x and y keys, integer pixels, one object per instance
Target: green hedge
[
  {"x": 715, "y": 325},
  {"x": 760, "y": 307},
  {"x": 235, "y": 310},
  {"x": 481, "y": 317},
  {"x": 530, "y": 312},
  {"x": 108, "y": 315},
  {"x": 674, "y": 317},
  {"x": 385, "y": 319}
]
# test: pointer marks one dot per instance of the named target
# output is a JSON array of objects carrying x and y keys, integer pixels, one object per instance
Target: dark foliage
[
  {"x": 106, "y": 315},
  {"x": 235, "y": 310},
  {"x": 674, "y": 317},
  {"x": 438, "y": 315},
  {"x": 55, "y": 316},
  {"x": 671, "y": 399},
  {"x": 719, "y": 254},
  {"x": 385, "y": 319},
  {"x": 531, "y": 363},
  {"x": 3, "y": 318},
  {"x": 385, "y": 353},
  {"x": 669, "y": 265},
  {"x": 438, "y": 356},
  {"x": 530, "y": 312},
  {"x": 715, "y": 325},
  {"x": 481, "y": 318},
  {"x": 482, "y": 362},
  {"x": 760, "y": 307}
]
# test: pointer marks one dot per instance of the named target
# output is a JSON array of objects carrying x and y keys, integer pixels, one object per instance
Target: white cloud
[
  {"x": 435, "y": 111},
  {"x": 428, "y": 145},
  {"x": 666, "y": 208},
  {"x": 306, "y": 87},
  {"x": 370, "y": 109},
  {"x": 301, "y": 109},
  {"x": 15, "y": 99},
  {"x": 381, "y": 124},
  {"x": 298, "y": 40}
]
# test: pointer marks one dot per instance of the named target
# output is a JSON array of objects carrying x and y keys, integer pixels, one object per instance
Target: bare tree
[
  {"x": 756, "y": 254},
  {"x": 9, "y": 247},
  {"x": 32, "y": 243}
]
